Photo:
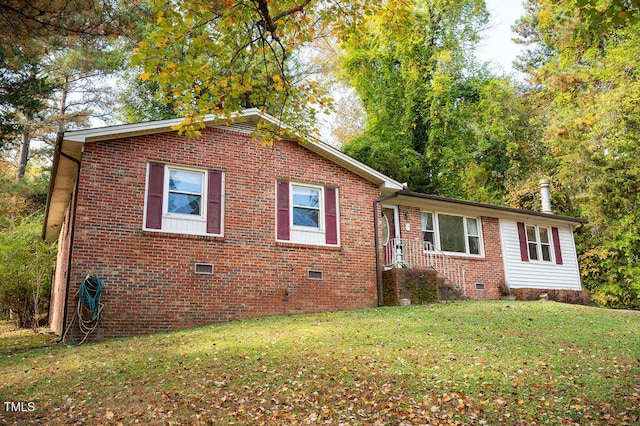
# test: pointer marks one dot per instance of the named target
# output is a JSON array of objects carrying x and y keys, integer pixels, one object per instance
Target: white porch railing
[{"x": 401, "y": 253}]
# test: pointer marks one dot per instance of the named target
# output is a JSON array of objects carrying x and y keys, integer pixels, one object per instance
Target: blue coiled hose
[{"x": 88, "y": 316}]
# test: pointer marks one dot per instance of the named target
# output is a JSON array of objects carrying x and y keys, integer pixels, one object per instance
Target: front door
[{"x": 389, "y": 232}]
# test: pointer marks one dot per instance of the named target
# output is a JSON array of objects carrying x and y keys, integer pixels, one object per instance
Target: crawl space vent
[
  {"x": 480, "y": 286},
  {"x": 314, "y": 275},
  {"x": 204, "y": 269}
]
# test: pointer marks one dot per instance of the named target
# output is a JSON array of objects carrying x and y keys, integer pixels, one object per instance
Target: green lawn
[{"x": 458, "y": 363}]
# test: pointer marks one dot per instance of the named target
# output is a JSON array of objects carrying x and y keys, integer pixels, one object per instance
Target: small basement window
[
  {"x": 314, "y": 275},
  {"x": 204, "y": 269},
  {"x": 480, "y": 286}
]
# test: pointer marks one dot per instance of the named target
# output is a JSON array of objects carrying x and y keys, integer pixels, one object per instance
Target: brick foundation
[
  {"x": 579, "y": 297},
  {"x": 418, "y": 286}
]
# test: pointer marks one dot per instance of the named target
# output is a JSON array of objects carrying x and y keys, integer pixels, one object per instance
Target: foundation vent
[
  {"x": 314, "y": 275},
  {"x": 204, "y": 269}
]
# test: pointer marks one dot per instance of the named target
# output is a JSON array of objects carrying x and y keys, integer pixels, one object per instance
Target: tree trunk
[{"x": 24, "y": 149}]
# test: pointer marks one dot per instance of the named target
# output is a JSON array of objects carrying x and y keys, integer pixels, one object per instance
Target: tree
[
  {"x": 221, "y": 57},
  {"x": 588, "y": 76},
  {"x": 434, "y": 118},
  {"x": 55, "y": 93},
  {"x": 139, "y": 99},
  {"x": 142, "y": 100},
  {"x": 48, "y": 49},
  {"x": 82, "y": 73},
  {"x": 348, "y": 122},
  {"x": 51, "y": 58},
  {"x": 27, "y": 24},
  {"x": 23, "y": 97}
]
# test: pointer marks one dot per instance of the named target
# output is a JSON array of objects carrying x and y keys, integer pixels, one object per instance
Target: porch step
[{"x": 403, "y": 253}]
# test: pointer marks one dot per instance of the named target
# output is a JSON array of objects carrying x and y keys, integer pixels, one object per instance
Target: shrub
[{"x": 25, "y": 269}]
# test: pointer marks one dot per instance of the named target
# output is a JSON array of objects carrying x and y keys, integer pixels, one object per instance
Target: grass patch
[
  {"x": 463, "y": 362},
  {"x": 14, "y": 340}
]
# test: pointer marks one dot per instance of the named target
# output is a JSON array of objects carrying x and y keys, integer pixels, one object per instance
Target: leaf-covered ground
[{"x": 461, "y": 363}]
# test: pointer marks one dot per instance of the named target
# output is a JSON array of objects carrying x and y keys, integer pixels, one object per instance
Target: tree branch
[{"x": 270, "y": 22}]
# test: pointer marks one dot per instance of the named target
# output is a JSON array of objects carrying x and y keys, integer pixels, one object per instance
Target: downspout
[
  {"x": 72, "y": 232},
  {"x": 376, "y": 202}
]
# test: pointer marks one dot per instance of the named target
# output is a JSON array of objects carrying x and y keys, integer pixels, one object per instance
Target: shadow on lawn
[{"x": 14, "y": 340}]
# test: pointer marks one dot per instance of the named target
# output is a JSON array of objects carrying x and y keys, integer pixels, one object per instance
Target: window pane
[
  {"x": 306, "y": 217},
  {"x": 544, "y": 235},
  {"x": 533, "y": 251},
  {"x": 385, "y": 230},
  {"x": 184, "y": 203},
  {"x": 472, "y": 226},
  {"x": 306, "y": 197},
  {"x": 452, "y": 236},
  {"x": 546, "y": 253},
  {"x": 474, "y": 245},
  {"x": 427, "y": 222},
  {"x": 531, "y": 233},
  {"x": 428, "y": 237},
  {"x": 185, "y": 182}
]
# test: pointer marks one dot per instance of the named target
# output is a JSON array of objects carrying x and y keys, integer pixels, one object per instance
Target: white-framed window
[
  {"x": 307, "y": 207},
  {"x": 185, "y": 192},
  {"x": 473, "y": 235},
  {"x": 307, "y": 213},
  {"x": 452, "y": 233},
  {"x": 185, "y": 200},
  {"x": 428, "y": 231},
  {"x": 539, "y": 243}
]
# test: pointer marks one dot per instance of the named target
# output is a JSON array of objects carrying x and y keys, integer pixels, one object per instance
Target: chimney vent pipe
[{"x": 546, "y": 196}]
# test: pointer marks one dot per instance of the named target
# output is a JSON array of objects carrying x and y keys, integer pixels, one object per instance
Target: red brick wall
[
  {"x": 149, "y": 281},
  {"x": 488, "y": 269}
]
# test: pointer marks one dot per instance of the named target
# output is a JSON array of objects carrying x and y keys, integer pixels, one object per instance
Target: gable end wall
[{"x": 150, "y": 285}]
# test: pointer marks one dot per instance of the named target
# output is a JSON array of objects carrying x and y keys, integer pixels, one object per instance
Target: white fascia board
[
  {"x": 150, "y": 127},
  {"x": 120, "y": 131}
]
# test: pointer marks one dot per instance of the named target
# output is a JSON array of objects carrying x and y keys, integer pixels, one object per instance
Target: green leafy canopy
[{"x": 223, "y": 56}]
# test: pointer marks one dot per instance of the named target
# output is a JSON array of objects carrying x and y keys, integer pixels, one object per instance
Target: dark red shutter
[
  {"x": 556, "y": 245},
  {"x": 331, "y": 215},
  {"x": 214, "y": 203},
  {"x": 522, "y": 235},
  {"x": 282, "y": 206},
  {"x": 155, "y": 192}
]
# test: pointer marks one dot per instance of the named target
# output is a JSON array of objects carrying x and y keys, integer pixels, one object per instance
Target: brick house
[
  {"x": 485, "y": 251},
  {"x": 186, "y": 232}
]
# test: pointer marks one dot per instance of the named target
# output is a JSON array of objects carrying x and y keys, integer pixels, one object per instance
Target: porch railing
[{"x": 402, "y": 253}]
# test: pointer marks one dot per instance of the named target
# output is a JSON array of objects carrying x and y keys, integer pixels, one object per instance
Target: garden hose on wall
[{"x": 88, "y": 316}]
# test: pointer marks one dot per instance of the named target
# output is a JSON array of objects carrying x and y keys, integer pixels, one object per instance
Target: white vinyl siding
[
  {"x": 548, "y": 275},
  {"x": 184, "y": 225}
]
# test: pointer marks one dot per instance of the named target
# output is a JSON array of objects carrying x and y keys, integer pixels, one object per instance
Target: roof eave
[
  {"x": 169, "y": 125},
  {"x": 61, "y": 186},
  {"x": 482, "y": 207}
]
